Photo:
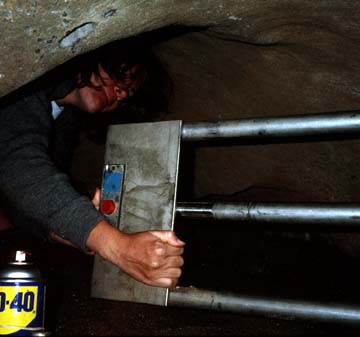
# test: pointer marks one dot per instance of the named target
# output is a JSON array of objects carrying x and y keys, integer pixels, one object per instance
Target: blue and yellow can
[{"x": 22, "y": 297}]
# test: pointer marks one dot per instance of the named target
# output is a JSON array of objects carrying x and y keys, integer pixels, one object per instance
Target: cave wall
[
  {"x": 300, "y": 63},
  {"x": 218, "y": 79}
]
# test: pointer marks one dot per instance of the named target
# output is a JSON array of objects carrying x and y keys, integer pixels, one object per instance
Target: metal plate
[{"x": 150, "y": 152}]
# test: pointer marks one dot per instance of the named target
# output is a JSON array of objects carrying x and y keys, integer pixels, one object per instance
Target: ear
[{"x": 121, "y": 94}]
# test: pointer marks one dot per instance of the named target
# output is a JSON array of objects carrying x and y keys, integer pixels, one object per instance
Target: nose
[{"x": 96, "y": 81}]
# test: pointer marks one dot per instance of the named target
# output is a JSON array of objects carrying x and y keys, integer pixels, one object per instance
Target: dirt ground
[{"x": 298, "y": 266}]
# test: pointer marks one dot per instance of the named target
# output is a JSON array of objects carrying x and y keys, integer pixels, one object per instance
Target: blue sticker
[{"x": 112, "y": 181}]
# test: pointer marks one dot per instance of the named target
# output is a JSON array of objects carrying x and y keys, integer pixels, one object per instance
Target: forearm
[
  {"x": 33, "y": 190},
  {"x": 39, "y": 196}
]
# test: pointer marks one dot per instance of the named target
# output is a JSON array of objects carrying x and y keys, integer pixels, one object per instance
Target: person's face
[{"x": 105, "y": 94}]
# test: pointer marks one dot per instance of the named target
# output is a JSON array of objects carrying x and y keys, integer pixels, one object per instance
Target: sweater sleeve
[{"x": 33, "y": 190}]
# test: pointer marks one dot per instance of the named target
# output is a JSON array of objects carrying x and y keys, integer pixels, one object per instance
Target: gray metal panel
[{"x": 150, "y": 153}]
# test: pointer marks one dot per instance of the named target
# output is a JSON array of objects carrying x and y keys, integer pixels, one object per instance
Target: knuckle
[
  {"x": 160, "y": 251},
  {"x": 154, "y": 264}
]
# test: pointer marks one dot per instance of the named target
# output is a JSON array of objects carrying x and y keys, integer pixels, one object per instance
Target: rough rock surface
[{"x": 39, "y": 35}]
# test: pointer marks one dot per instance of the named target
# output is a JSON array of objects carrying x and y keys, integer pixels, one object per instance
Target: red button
[{"x": 108, "y": 206}]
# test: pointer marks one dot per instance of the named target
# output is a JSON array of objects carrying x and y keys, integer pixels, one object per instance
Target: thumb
[
  {"x": 168, "y": 237},
  {"x": 96, "y": 198}
]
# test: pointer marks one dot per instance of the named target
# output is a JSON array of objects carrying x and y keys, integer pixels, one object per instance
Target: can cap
[
  {"x": 20, "y": 266},
  {"x": 21, "y": 257}
]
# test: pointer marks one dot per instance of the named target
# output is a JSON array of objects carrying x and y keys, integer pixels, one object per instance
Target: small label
[
  {"x": 112, "y": 181},
  {"x": 111, "y": 192}
]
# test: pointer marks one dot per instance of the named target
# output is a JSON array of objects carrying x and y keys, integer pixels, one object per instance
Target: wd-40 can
[{"x": 22, "y": 297}]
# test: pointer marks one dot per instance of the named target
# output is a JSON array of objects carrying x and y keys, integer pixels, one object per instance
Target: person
[{"x": 37, "y": 129}]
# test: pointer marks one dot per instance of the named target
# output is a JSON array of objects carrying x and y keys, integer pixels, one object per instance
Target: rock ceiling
[{"x": 37, "y": 35}]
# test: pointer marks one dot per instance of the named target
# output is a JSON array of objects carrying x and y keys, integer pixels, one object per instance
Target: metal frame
[
  {"x": 270, "y": 307},
  {"x": 294, "y": 215},
  {"x": 348, "y": 215},
  {"x": 307, "y": 125}
]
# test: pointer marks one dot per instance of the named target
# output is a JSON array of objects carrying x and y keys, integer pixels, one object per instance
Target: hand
[
  {"x": 151, "y": 257},
  {"x": 96, "y": 198}
]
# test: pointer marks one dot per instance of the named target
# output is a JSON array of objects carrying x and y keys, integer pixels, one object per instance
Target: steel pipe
[
  {"x": 274, "y": 308},
  {"x": 274, "y": 127},
  {"x": 277, "y": 213}
]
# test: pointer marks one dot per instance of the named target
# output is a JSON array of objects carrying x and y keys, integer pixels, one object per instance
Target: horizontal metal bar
[
  {"x": 274, "y": 308},
  {"x": 273, "y": 127},
  {"x": 278, "y": 213}
]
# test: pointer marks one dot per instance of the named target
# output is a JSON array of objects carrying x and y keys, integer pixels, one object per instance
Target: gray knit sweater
[{"x": 33, "y": 190}]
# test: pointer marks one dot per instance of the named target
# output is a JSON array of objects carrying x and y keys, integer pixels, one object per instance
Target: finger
[
  {"x": 166, "y": 282},
  {"x": 164, "y": 250},
  {"x": 173, "y": 251},
  {"x": 96, "y": 198},
  {"x": 170, "y": 275},
  {"x": 175, "y": 262},
  {"x": 165, "y": 272},
  {"x": 168, "y": 237}
]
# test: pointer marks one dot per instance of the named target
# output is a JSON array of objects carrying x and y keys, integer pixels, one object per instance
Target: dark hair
[
  {"x": 116, "y": 58},
  {"x": 149, "y": 103}
]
